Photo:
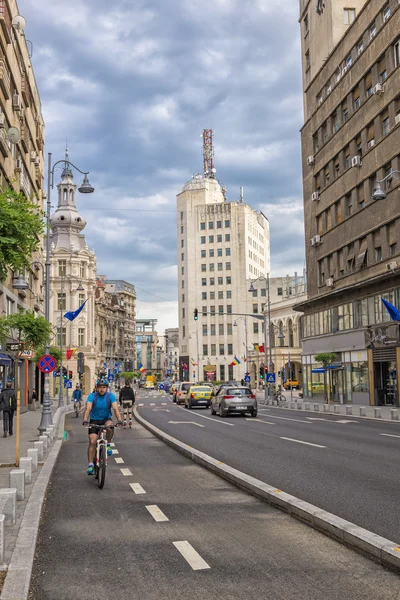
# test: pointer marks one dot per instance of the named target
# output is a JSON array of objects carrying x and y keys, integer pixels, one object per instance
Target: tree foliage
[
  {"x": 21, "y": 224},
  {"x": 129, "y": 375},
  {"x": 31, "y": 330},
  {"x": 325, "y": 358}
]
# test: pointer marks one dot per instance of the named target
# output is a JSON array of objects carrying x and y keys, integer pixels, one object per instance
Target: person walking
[
  {"x": 34, "y": 398},
  {"x": 8, "y": 404},
  {"x": 127, "y": 399}
]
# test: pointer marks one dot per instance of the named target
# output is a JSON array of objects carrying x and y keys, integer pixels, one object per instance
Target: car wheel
[
  {"x": 254, "y": 413},
  {"x": 212, "y": 410},
  {"x": 174, "y": 400},
  {"x": 189, "y": 405},
  {"x": 222, "y": 412}
]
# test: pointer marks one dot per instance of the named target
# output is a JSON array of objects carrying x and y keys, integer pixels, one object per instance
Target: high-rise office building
[{"x": 350, "y": 141}]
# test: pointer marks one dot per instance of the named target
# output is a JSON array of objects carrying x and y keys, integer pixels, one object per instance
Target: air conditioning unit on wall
[
  {"x": 310, "y": 160},
  {"x": 356, "y": 161},
  {"x": 315, "y": 196},
  {"x": 378, "y": 89},
  {"x": 316, "y": 240},
  {"x": 329, "y": 282}
]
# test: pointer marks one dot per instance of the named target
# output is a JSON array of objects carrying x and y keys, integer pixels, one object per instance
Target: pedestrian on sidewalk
[
  {"x": 34, "y": 398},
  {"x": 8, "y": 404}
]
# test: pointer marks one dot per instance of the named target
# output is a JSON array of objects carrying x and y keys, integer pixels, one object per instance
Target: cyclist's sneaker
[
  {"x": 109, "y": 450},
  {"x": 90, "y": 469},
  {"x": 125, "y": 424},
  {"x": 130, "y": 424}
]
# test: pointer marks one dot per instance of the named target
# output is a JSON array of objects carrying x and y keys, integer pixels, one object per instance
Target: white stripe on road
[
  {"x": 156, "y": 513},
  {"x": 137, "y": 488},
  {"x": 260, "y": 421},
  {"x": 390, "y": 435},
  {"x": 152, "y": 403},
  {"x": 112, "y": 445},
  {"x": 126, "y": 472},
  {"x": 119, "y": 460},
  {"x": 115, "y": 451},
  {"x": 209, "y": 418},
  {"x": 301, "y": 442},
  {"x": 163, "y": 404},
  {"x": 191, "y": 556},
  {"x": 141, "y": 404},
  {"x": 289, "y": 419}
]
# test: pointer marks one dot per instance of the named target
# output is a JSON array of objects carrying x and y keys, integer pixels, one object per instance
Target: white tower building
[
  {"x": 221, "y": 247},
  {"x": 72, "y": 264}
]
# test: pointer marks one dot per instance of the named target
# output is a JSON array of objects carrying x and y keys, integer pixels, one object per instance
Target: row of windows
[
  {"x": 221, "y": 329},
  {"x": 354, "y": 200},
  {"x": 211, "y": 238},
  {"x": 211, "y": 295},
  {"x": 211, "y": 252},
  {"x": 359, "y": 313},
  {"x": 254, "y": 244},
  {"x": 211, "y": 267},
  {"x": 377, "y": 246},
  {"x": 367, "y": 37},
  {"x": 62, "y": 300},
  {"x": 221, "y": 310},
  {"x": 263, "y": 292},
  {"x": 228, "y": 281},
  {"x": 81, "y": 336},
  {"x": 377, "y": 129},
  {"x": 218, "y": 224}
]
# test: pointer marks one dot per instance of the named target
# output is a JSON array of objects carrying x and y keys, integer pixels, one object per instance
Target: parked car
[
  {"x": 227, "y": 385},
  {"x": 239, "y": 399},
  {"x": 181, "y": 391},
  {"x": 198, "y": 395},
  {"x": 173, "y": 389},
  {"x": 294, "y": 384}
]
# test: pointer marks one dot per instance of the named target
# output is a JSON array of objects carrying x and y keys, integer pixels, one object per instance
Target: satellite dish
[
  {"x": 19, "y": 23},
  {"x": 213, "y": 170},
  {"x": 13, "y": 135}
]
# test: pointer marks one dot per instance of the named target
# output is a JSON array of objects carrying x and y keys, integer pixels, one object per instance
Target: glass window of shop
[{"x": 359, "y": 377}]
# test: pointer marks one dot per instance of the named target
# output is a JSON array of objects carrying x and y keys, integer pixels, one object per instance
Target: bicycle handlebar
[{"x": 99, "y": 427}]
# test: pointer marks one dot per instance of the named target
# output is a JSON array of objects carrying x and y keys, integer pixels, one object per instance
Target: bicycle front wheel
[{"x": 102, "y": 466}]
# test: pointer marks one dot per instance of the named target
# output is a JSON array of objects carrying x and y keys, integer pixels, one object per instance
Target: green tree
[
  {"x": 21, "y": 225},
  {"x": 28, "y": 331},
  {"x": 129, "y": 375},
  {"x": 326, "y": 359}
]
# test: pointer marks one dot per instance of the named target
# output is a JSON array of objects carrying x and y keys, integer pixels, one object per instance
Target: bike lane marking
[
  {"x": 126, "y": 472},
  {"x": 115, "y": 451},
  {"x": 119, "y": 460},
  {"x": 289, "y": 419},
  {"x": 157, "y": 513},
  {"x": 191, "y": 556},
  {"x": 137, "y": 488}
]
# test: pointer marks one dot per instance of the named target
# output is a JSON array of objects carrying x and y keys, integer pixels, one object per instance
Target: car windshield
[
  {"x": 199, "y": 388},
  {"x": 238, "y": 391},
  {"x": 186, "y": 386}
]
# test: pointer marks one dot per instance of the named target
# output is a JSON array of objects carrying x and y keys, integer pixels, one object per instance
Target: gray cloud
[{"x": 131, "y": 84}]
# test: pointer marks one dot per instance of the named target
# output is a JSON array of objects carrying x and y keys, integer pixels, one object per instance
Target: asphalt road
[
  {"x": 217, "y": 541},
  {"x": 347, "y": 466}
]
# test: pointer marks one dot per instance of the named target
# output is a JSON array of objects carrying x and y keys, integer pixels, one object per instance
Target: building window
[
  {"x": 385, "y": 125},
  {"x": 183, "y": 283},
  {"x": 393, "y": 249},
  {"x": 203, "y": 268},
  {"x": 219, "y": 239},
  {"x": 81, "y": 336},
  {"x": 212, "y": 295},
  {"x": 370, "y": 135},
  {"x": 227, "y": 223},
  {"x": 220, "y": 309},
  {"x": 229, "y": 309},
  {"x": 211, "y": 266},
  {"x": 213, "y": 349},
  {"x": 63, "y": 336},
  {"x": 263, "y": 292},
  {"x": 220, "y": 280},
  {"x": 210, "y": 225},
  {"x": 181, "y": 228},
  {"x": 183, "y": 332},
  {"x": 82, "y": 270},
  {"x": 181, "y": 215},
  {"x": 183, "y": 312},
  {"x": 81, "y": 299},
  {"x": 205, "y": 349},
  {"x": 211, "y": 239},
  {"x": 204, "y": 281},
  {"x": 211, "y": 253},
  {"x": 219, "y": 266},
  {"x": 212, "y": 328},
  {"x": 227, "y": 251},
  {"x": 228, "y": 266},
  {"x": 203, "y": 254},
  {"x": 230, "y": 349},
  {"x": 372, "y": 31},
  {"x": 337, "y": 169},
  {"x": 335, "y": 121},
  {"x": 183, "y": 297},
  {"x": 202, "y": 226},
  {"x": 182, "y": 256},
  {"x": 307, "y": 60},
  {"x": 212, "y": 281},
  {"x": 349, "y": 14},
  {"x": 62, "y": 268},
  {"x": 347, "y": 161},
  {"x": 221, "y": 349},
  {"x": 360, "y": 46},
  {"x": 204, "y": 330},
  {"x": 182, "y": 243},
  {"x": 228, "y": 282},
  {"x": 345, "y": 111},
  {"x": 255, "y": 327},
  {"x": 219, "y": 252},
  {"x": 356, "y": 98},
  {"x": 255, "y": 308},
  {"x": 220, "y": 295},
  {"x": 280, "y": 291},
  {"x": 227, "y": 237},
  {"x": 378, "y": 254},
  {"x": 306, "y": 25},
  {"x": 386, "y": 12},
  {"x": 212, "y": 310},
  {"x": 202, "y": 239},
  {"x": 203, "y": 295},
  {"x": 62, "y": 301},
  {"x": 219, "y": 224},
  {"x": 396, "y": 50},
  {"x": 182, "y": 270}
]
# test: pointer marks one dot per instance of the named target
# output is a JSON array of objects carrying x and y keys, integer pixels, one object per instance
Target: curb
[
  {"x": 18, "y": 578},
  {"x": 375, "y": 547},
  {"x": 330, "y": 413}
]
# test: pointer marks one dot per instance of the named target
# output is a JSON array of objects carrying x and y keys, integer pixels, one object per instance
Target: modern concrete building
[
  {"x": 351, "y": 139},
  {"x": 221, "y": 247},
  {"x": 72, "y": 282},
  {"x": 148, "y": 349},
  {"x": 171, "y": 357},
  {"x": 21, "y": 167}
]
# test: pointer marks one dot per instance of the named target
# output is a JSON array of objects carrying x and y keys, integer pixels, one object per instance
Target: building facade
[
  {"x": 171, "y": 356},
  {"x": 351, "y": 139},
  {"x": 21, "y": 167},
  {"x": 148, "y": 350},
  {"x": 72, "y": 282},
  {"x": 221, "y": 246}
]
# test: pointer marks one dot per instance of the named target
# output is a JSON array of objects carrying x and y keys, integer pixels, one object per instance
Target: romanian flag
[
  {"x": 141, "y": 368},
  {"x": 69, "y": 353},
  {"x": 236, "y": 361},
  {"x": 261, "y": 349},
  {"x": 256, "y": 347},
  {"x": 193, "y": 363}
]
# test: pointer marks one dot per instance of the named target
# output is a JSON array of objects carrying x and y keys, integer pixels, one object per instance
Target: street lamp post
[
  {"x": 267, "y": 323},
  {"x": 245, "y": 336},
  {"x": 197, "y": 350},
  {"x": 85, "y": 188}
]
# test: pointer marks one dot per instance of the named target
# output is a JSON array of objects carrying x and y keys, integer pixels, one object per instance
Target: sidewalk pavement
[{"x": 382, "y": 413}]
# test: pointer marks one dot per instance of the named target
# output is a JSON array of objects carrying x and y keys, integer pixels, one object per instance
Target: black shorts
[
  {"x": 97, "y": 422},
  {"x": 127, "y": 403}
]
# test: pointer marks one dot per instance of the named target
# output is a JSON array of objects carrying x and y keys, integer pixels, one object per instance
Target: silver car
[{"x": 238, "y": 399}]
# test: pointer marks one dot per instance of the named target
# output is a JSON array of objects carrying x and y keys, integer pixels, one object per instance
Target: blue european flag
[
  {"x": 72, "y": 314},
  {"x": 392, "y": 310}
]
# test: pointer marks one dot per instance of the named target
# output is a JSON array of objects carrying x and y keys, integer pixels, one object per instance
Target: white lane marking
[
  {"x": 185, "y": 423},
  {"x": 317, "y": 419},
  {"x": 331, "y": 420},
  {"x": 156, "y": 513},
  {"x": 141, "y": 404},
  {"x": 345, "y": 421},
  {"x": 163, "y": 404},
  {"x": 126, "y": 472},
  {"x": 210, "y": 418},
  {"x": 115, "y": 451},
  {"x": 191, "y": 556},
  {"x": 390, "y": 435},
  {"x": 137, "y": 488},
  {"x": 160, "y": 410},
  {"x": 301, "y": 442},
  {"x": 152, "y": 403},
  {"x": 289, "y": 419},
  {"x": 119, "y": 460},
  {"x": 260, "y": 421},
  {"x": 112, "y": 445}
]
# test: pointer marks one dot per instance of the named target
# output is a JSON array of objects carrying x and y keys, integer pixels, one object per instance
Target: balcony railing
[
  {"x": 4, "y": 148},
  {"x": 5, "y": 82},
  {"x": 25, "y": 184},
  {"x": 5, "y": 20}
]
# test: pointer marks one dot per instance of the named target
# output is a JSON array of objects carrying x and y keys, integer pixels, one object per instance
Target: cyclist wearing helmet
[{"x": 98, "y": 411}]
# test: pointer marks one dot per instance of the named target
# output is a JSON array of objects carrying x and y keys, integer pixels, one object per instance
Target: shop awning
[
  {"x": 4, "y": 359},
  {"x": 330, "y": 368}
]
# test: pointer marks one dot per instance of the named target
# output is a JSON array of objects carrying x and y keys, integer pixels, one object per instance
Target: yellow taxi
[
  {"x": 293, "y": 383},
  {"x": 198, "y": 395}
]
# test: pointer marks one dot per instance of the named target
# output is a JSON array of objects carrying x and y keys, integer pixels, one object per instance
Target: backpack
[{"x": 108, "y": 400}]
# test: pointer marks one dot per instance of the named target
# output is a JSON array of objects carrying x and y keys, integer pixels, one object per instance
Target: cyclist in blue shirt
[
  {"x": 98, "y": 411},
  {"x": 77, "y": 395}
]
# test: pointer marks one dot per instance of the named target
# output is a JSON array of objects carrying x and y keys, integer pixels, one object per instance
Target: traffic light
[
  {"x": 262, "y": 372},
  {"x": 195, "y": 314},
  {"x": 65, "y": 373},
  {"x": 279, "y": 373},
  {"x": 69, "y": 374}
]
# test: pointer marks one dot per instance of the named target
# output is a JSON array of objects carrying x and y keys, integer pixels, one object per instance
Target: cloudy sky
[{"x": 132, "y": 83}]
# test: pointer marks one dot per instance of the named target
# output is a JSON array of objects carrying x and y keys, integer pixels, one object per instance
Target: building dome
[{"x": 67, "y": 217}]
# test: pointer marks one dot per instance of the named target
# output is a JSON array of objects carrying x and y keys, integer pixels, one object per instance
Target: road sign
[
  {"x": 81, "y": 355},
  {"x": 67, "y": 384},
  {"x": 14, "y": 347},
  {"x": 104, "y": 365},
  {"x": 26, "y": 354},
  {"x": 247, "y": 378},
  {"x": 47, "y": 363},
  {"x": 111, "y": 377},
  {"x": 161, "y": 386},
  {"x": 271, "y": 378},
  {"x": 56, "y": 374}
]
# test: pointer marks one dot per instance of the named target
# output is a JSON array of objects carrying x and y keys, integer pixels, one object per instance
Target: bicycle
[
  {"x": 279, "y": 398},
  {"x": 77, "y": 407},
  {"x": 101, "y": 458}
]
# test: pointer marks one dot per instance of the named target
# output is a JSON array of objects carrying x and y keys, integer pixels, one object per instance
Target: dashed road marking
[
  {"x": 185, "y": 423},
  {"x": 119, "y": 460},
  {"x": 112, "y": 445},
  {"x": 115, "y": 451},
  {"x": 152, "y": 403},
  {"x": 126, "y": 472},
  {"x": 137, "y": 488},
  {"x": 261, "y": 421},
  {"x": 141, "y": 404},
  {"x": 210, "y": 418},
  {"x": 390, "y": 435},
  {"x": 302, "y": 442},
  {"x": 156, "y": 513},
  {"x": 191, "y": 556},
  {"x": 289, "y": 419}
]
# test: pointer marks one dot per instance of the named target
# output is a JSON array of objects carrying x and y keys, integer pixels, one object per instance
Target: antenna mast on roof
[{"x": 208, "y": 154}]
